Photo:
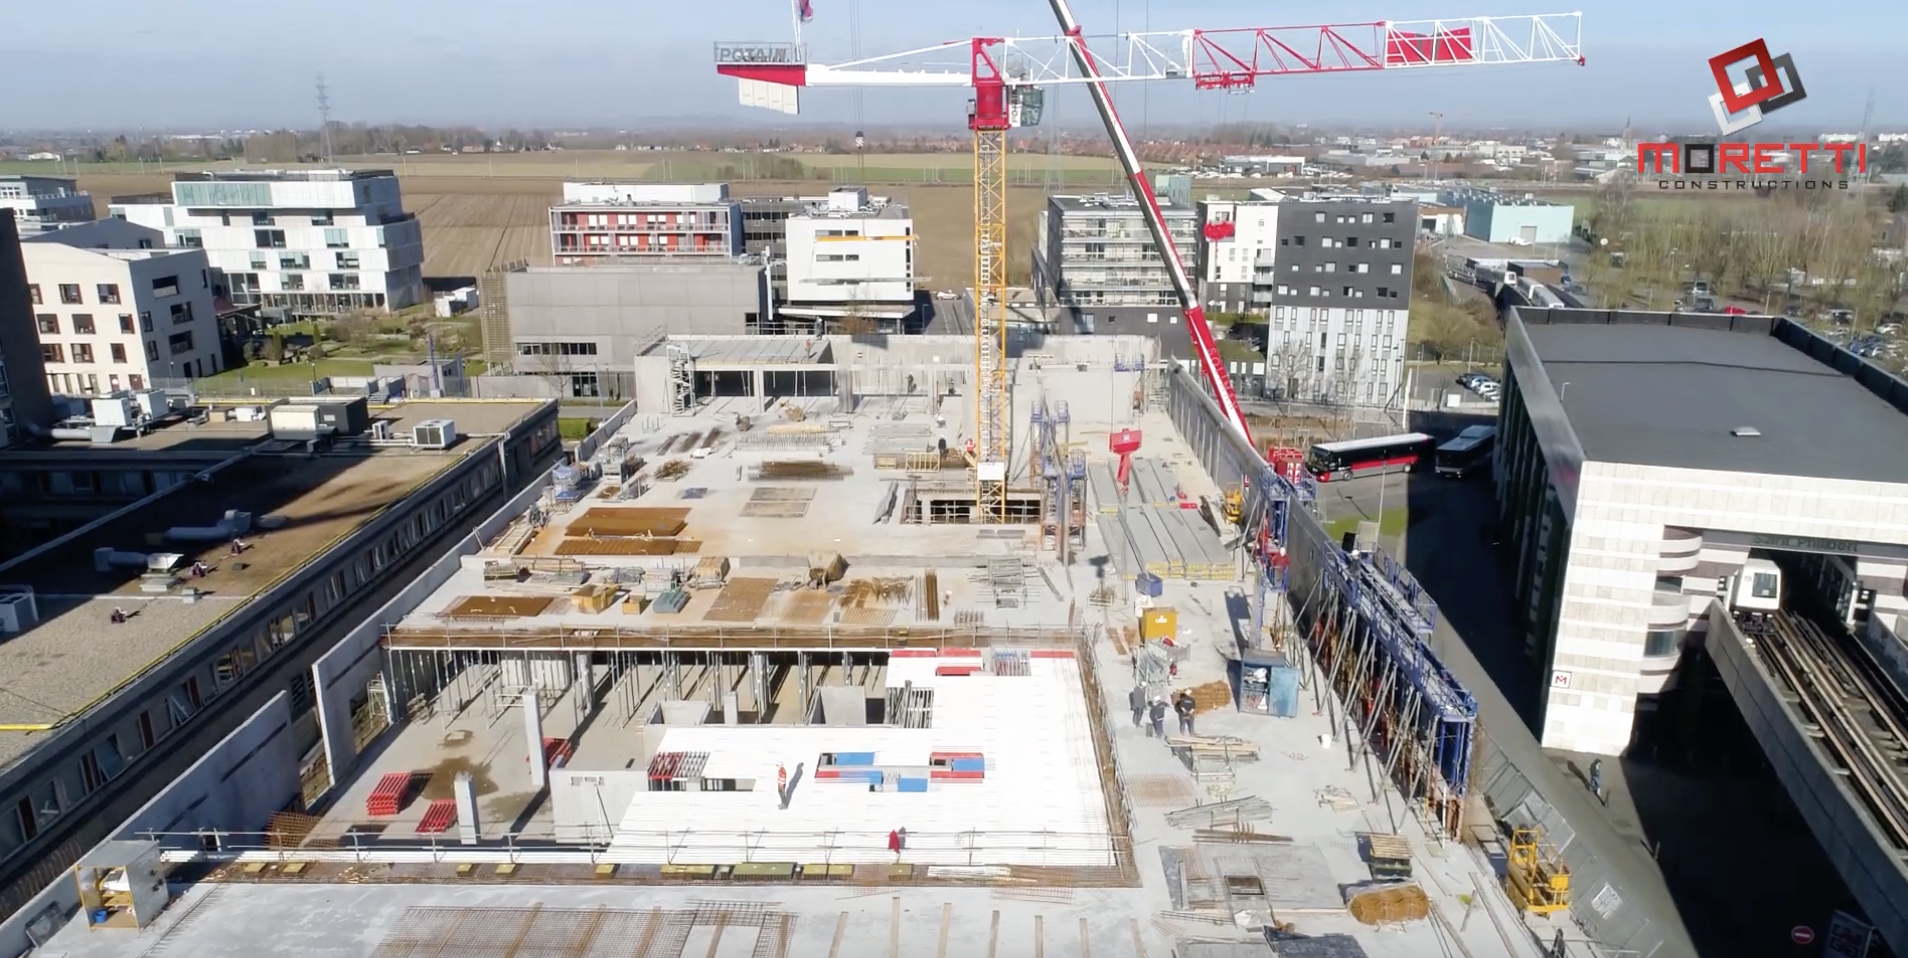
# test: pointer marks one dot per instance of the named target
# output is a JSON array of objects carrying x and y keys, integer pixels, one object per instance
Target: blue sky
[{"x": 198, "y": 63}]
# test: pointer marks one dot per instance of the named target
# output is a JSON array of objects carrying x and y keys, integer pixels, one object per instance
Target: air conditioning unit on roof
[{"x": 434, "y": 434}]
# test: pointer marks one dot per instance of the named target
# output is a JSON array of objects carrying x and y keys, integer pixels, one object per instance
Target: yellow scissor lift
[{"x": 1537, "y": 879}]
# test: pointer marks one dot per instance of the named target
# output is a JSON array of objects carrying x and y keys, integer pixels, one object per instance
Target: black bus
[
  {"x": 1469, "y": 450},
  {"x": 1334, "y": 461}
]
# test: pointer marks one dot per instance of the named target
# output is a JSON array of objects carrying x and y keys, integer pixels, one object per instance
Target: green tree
[{"x": 1898, "y": 200}]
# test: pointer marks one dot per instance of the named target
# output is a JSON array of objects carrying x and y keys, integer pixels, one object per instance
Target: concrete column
[
  {"x": 729, "y": 707},
  {"x": 761, "y": 391},
  {"x": 533, "y": 738},
  {"x": 585, "y": 681},
  {"x": 465, "y": 789},
  {"x": 672, "y": 669},
  {"x": 759, "y": 681},
  {"x": 801, "y": 671}
]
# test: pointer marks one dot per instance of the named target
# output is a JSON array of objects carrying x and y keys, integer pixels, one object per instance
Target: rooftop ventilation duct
[{"x": 1745, "y": 432}]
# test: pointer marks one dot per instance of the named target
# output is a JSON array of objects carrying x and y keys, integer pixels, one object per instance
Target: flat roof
[
  {"x": 1114, "y": 203},
  {"x": 75, "y": 656},
  {"x": 765, "y": 350},
  {"x": 1651, "y": 393}
]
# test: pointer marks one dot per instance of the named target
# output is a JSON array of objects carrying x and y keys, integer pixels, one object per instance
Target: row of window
[
  {"x": 176, "y": 344},
  {"x": 556, "y": 349},
  {"x": 107, "y": 294},
  {"x": 275, "y": 239},
  {"x": 838, "y": 257},
  {"x": 294, "y": 282},
  {"x": 1349, "y": 242},
  {"x": 263, "y": 218},
  {"x": 58, "y": 795},
  {"x": 84, "y": 325},
  {"x": 1395, "y": 269},
  {"x": 1352, "y": 292},
  {"x": 347, "y": 259},
  {"x": 681, "y": 221},
  {"x": 1319, "y": 217}
]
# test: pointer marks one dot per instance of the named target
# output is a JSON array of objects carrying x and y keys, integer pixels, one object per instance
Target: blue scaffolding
[{"x": 1373, "y": 643}]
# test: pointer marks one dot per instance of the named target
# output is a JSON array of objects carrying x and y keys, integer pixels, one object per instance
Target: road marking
[
  {"x": 1040, "y": 936},
  {"x": 993, "y": 935},
  {"x": 841, "y": 928},
  {"x": 1086, "y": 947},
  {"x": 947, "y": 917}
]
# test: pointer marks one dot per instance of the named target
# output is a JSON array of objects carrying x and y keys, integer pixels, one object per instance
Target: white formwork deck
[{"x": 1041, "y": 802}]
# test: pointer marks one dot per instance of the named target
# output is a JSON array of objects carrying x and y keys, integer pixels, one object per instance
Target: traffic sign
[{"x": 1802, "y": 934}]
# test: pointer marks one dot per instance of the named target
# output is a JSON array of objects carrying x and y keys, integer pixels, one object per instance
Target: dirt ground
[{"x": 472, "y": 223}]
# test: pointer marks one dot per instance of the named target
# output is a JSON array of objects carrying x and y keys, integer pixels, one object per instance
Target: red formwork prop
[
  {"x": 960, "y": 653},
  {"x": 1051, "y": 654},
  {"x": 389, "y": 796},
  {"x": 957, "y": 670},
  {"x": 950, "y": 756},
  {"x": 949, "y": 775},
  {"x": 913, "y": 654},
  {"x": 439, "y": 817},
  {"x": 556, "y": 752}
]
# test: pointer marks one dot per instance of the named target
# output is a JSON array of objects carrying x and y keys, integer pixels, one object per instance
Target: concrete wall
[
  {"x": 236, "y": 786},
  {"x": 26, "y": 395},
  {"x": 619, "y": 309},
  {"x": 587, "y": 806},
  {"x": 1516, "y": 771}
]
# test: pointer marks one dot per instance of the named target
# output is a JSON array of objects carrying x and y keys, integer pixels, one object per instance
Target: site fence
[{"x": 972, "y": 848}]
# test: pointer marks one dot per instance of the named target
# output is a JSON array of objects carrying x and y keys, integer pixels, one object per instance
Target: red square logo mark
[{"x": 1771, "y": 86}]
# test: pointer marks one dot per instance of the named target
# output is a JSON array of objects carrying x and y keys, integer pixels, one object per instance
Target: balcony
[{"x": 1670, "y": 609}]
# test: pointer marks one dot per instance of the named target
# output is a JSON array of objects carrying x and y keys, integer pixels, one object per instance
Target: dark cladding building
[{"x": 25, "y": 405}]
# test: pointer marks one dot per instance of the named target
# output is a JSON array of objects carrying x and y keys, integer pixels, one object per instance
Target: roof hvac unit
[
  {"x": 434, "y": 434},
  {"x": 18, "y": 610}
]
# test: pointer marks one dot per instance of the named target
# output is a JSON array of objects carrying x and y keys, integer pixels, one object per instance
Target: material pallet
[
  {"x": 439, "y": 817},
  {"x": 388, "y": 797}
]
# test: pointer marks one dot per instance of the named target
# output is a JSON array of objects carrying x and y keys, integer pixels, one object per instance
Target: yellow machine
[
  {"x": 1234, "y": 504},
  {"x": 1537, "y": 878}
]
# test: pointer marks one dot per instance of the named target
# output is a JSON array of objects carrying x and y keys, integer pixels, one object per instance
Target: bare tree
[{"x": 1291, "y": 363}]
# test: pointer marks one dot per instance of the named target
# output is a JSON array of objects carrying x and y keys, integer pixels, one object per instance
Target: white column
[{"x": 533, "y": 738}]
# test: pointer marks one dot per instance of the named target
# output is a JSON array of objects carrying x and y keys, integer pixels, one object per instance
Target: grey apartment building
[
  {"x": 1097, "y": 262},
  {"x": 1337, "y": 287},
  {"x": 25, "y": 404},
  {"x": 584, "y": 326}
]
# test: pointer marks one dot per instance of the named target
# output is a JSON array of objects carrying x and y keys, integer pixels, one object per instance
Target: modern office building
[
  {"x": 115, "y": 311},
  {"x": 1503, "y": 218},
  {"x": 295, "y": 242},
  {"x": 850, "y": 255},
  {"x": 41, "y": 203},
  {"x": 25, "y": 405},
  {"x": 1097, "y": 262},
  {"x": 583, "y": 326},
  {"x": 1643, "y": 458},
  {"x": 135, "y": 666},
  {"x": 1336, "y": 290},
  {"x": 609, "y": 222}
]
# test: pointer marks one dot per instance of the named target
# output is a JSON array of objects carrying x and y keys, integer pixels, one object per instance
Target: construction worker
[
  {"x": 1596, "y": 778},
  {"x": 1185, "y": 705},
  {"x": 1158, "y": 715},
  {"x": 1136, "y": 700}
]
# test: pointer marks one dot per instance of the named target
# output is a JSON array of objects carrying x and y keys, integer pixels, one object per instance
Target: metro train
[{"x": 1757, "y": 589}]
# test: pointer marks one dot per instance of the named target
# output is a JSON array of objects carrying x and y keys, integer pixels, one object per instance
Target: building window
[
  {"x": 126, "y": 324},
  {"x": 337, "y": 239},
  {"x": 1318, "y": 217},
  {"x": 180, "y": 343},
  {"x": 49, "y": 323},
  {"x": 1660, "y": 642},
  {"x": 82, "y": 353},
  {"x": 190, "y": 239},
  {"x": 347, "y": 260},
  {"x": 294, "y": 261},
  {"x": 33, "y": 290},
  {"x": 145, "y": 322},
  {"x": 1397, "y": 269},
  {"x": 83, "y": 325},
  {"x": 321, "y": 218},
  {"x": 268, "y": 239},
  {"x": 291, "y": 282},
  {"x": 108, "y": 293},
  {"x": 152, "y": 351},
  {"x": 51, "y": 352},
  {"x": 119, "y": 352},
  {"x": 165, "y": 286},
  {"x": 556, "y": 349},
  {"x": 181, "y": 313},
  {"x": 1391, "y": 217},
  {"x": 262, "y": 218},
  {"x": 69, "y": 293},
  {"x": 583, "y": 385},
  {"x": 342, "y": 280}
]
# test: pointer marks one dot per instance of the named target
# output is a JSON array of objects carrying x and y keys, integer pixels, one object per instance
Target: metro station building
[{"x": 1644, "y": 457}]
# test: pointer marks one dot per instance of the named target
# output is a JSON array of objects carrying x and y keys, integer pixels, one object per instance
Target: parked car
[
  {"x": 1843, "y": 316},
  {"x": 1734, "y": 311},
  {"x": 1700, "y": 290},
  {"x": 1470, "y": 380},
  {"x": 1888, "y": 329}
]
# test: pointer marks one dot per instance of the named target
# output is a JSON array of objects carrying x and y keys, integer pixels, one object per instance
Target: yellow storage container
[{"x": 1159, "y": 624}]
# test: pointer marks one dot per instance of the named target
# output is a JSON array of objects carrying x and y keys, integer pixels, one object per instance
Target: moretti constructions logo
[{"x": 1769, "y": 84}]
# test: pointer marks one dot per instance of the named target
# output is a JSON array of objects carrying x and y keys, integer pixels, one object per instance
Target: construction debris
[
  {"x": 1230, "y": 746},
  {"x": 1235, "y": 810},
  {"x": 1228, "y": 836},
  {"x": 1337, "y": 799},
  {"x": 672, "y": 470}
]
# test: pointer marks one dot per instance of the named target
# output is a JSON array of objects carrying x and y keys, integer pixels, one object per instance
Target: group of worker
[{"x": 1150, "y": 713}]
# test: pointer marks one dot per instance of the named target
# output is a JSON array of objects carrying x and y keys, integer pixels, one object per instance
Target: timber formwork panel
[
  {"x": 633, "y": 521},
  {"x": 499, "y": 606}
]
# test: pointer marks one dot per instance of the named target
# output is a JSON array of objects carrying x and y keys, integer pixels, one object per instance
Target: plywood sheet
[
  {"x": 629, "y": 521},
  {"x": 618, "y": 547},
  {"x": 740, "y": 601},
  {"x": 499, "y": 606}
]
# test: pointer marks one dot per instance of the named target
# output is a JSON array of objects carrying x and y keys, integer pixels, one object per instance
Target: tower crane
[{"x": 1007, "y": 77}]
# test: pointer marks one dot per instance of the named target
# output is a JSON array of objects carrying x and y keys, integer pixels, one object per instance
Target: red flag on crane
[
  {"x": 1403, "y": 48},
  {"x": 805, "y": 9}
]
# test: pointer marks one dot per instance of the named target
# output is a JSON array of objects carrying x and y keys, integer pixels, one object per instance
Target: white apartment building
[
  {"x": 851, "y": 254},
  {"x": 296, "y": 242},
  {"x": 597, "y": 222},
  {"x": 41, "y": 203},
  {"x": 114, "y": 311},
  {"x": 1233, "y": 236}
]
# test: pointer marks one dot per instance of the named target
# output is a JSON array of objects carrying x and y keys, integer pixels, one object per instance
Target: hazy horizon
[{"x": 195, "y": 64}]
